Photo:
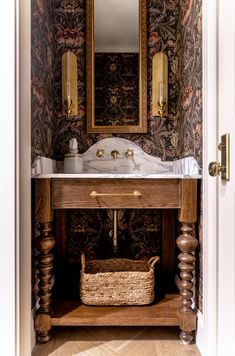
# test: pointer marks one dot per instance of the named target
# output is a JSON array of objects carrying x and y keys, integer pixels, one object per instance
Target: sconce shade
[
  {"x": 160, "y": 84},
  {"x": 69, "y": 84}
]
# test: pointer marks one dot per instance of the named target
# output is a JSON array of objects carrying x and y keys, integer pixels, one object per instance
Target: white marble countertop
[{"x": 118, "y": 176}]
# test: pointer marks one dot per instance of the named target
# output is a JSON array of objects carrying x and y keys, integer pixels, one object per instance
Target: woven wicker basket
[{"x": 117, "y": 281}]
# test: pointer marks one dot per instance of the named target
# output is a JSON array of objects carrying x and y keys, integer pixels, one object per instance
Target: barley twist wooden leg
[
  {"x": 187, "y": 243},
  {"x": 45, "y": 266},
  {"x": 45, "y": 243}
]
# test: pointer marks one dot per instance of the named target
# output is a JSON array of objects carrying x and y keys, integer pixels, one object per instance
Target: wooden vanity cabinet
[{"x": 60, "y": 194}]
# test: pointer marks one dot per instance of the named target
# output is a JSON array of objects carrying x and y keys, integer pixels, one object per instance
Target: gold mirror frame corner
[{"x": 90, "y": 81}]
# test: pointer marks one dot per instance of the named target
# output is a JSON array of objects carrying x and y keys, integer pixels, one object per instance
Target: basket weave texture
[{"x": 117, "y": 281}]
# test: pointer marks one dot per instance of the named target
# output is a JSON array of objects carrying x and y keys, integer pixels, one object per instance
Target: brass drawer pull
[{"x": 135, "y": 193}]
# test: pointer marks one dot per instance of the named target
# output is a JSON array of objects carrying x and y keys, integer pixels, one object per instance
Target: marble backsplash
[{"x": 131, "y": 161}]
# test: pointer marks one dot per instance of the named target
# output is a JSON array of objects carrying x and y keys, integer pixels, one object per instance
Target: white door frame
[
  {"x": 210, "y": 153},
  {"x": 23, "y": 141},
  {"x": 8, "y": 182},
  {"x": 209, "y": 190}
]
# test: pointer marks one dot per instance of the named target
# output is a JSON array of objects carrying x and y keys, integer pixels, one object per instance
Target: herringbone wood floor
[{"x": 108, "y": 341}]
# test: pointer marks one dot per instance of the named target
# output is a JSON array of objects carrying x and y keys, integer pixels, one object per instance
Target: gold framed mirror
[{"x": 116, "y": 66}]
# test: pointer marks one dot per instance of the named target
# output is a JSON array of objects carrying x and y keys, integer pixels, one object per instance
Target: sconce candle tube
[
  {"x": 67, "y": 91},
  {"x": 68, "y": 65},
  {"x": 161, "y": 92},
  {"x": 160, "y": 85},
  {"x": 69, "y": 84}
]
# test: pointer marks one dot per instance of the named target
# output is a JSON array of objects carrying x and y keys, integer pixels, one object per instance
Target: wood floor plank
[{"x": 111, "y": 341}]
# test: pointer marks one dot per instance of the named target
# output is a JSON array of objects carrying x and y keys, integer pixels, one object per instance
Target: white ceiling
[{"x": 116, "y": 27}]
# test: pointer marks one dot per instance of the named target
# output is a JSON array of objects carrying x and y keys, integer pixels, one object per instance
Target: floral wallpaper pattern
[
  {"x": 188, "y": 65},
  {"x": 116, "y": 85},
  {"x": 173, "y": 27},
  {"x": 69, "y": 32},
  {"x": 91, "y": 232},
  {"x": 42, "y": 82}
]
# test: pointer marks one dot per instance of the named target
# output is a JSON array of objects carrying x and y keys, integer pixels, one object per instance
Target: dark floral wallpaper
[
  {"x": 42, "y": 74},
  {"x": 91, "y": 232},
  {"x": 116, "y": 85},
  {"x": 68, "y": 23},
  {"x": 173, "y": 27},
  {"x": 188, "y": 69}
]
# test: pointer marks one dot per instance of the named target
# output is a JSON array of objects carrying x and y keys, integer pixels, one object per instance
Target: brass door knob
[{"x": 214, "y": 169}]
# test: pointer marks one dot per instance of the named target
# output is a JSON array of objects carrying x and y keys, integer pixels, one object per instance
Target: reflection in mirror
[
  {"x": 116, "y": 26},
  {"x": 116, "y": 66}
]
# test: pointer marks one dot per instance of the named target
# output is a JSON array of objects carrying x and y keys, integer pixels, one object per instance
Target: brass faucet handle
[
  {"x": 115, "y": 154},
  {"x": 129, "y": 153},
  {"x": 100, "y": 153}
]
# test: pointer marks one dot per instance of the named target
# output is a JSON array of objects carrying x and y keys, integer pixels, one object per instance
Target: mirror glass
[
  {"x": 116, "y": 66},
  {"x": 116, "y": 26}
]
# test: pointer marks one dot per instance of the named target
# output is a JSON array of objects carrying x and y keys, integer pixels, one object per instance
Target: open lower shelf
[{"x": 165, "y": 312}]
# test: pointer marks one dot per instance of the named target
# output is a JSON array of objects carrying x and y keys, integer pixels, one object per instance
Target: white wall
[
  {"x": 15, "y": 187},
  {"x": 7, "y": 186}
]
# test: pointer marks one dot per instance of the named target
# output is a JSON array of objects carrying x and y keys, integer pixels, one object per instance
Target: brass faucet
[
  {"x": 129, "y": 153},
  {"x": 100, "y": 153},
  {"x": 115, "y": 154}
]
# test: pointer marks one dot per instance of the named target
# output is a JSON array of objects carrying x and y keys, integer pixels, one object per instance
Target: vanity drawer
[{"x": 115, "y": 193}]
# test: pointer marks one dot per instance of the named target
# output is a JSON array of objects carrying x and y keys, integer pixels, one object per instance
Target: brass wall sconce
[
  {"x": 69, "y": 84},
  {"x": 160, "y": 85}
]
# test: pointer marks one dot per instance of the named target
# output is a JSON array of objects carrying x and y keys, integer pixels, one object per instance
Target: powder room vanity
[
  {"x": 83, "y": 86},
  {"x": 55, "y": 193}
]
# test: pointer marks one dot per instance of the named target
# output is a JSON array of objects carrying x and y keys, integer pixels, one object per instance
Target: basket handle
[
  {"x": 83, "y": 260},
  {"x": 153, "y": 260}
]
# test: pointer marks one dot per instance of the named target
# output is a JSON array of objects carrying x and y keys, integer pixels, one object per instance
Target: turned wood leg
[
  {"x": 44, "y": 244},
  {"x": 187, "y": 244},
  {"x": 45, "y": 265}
]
